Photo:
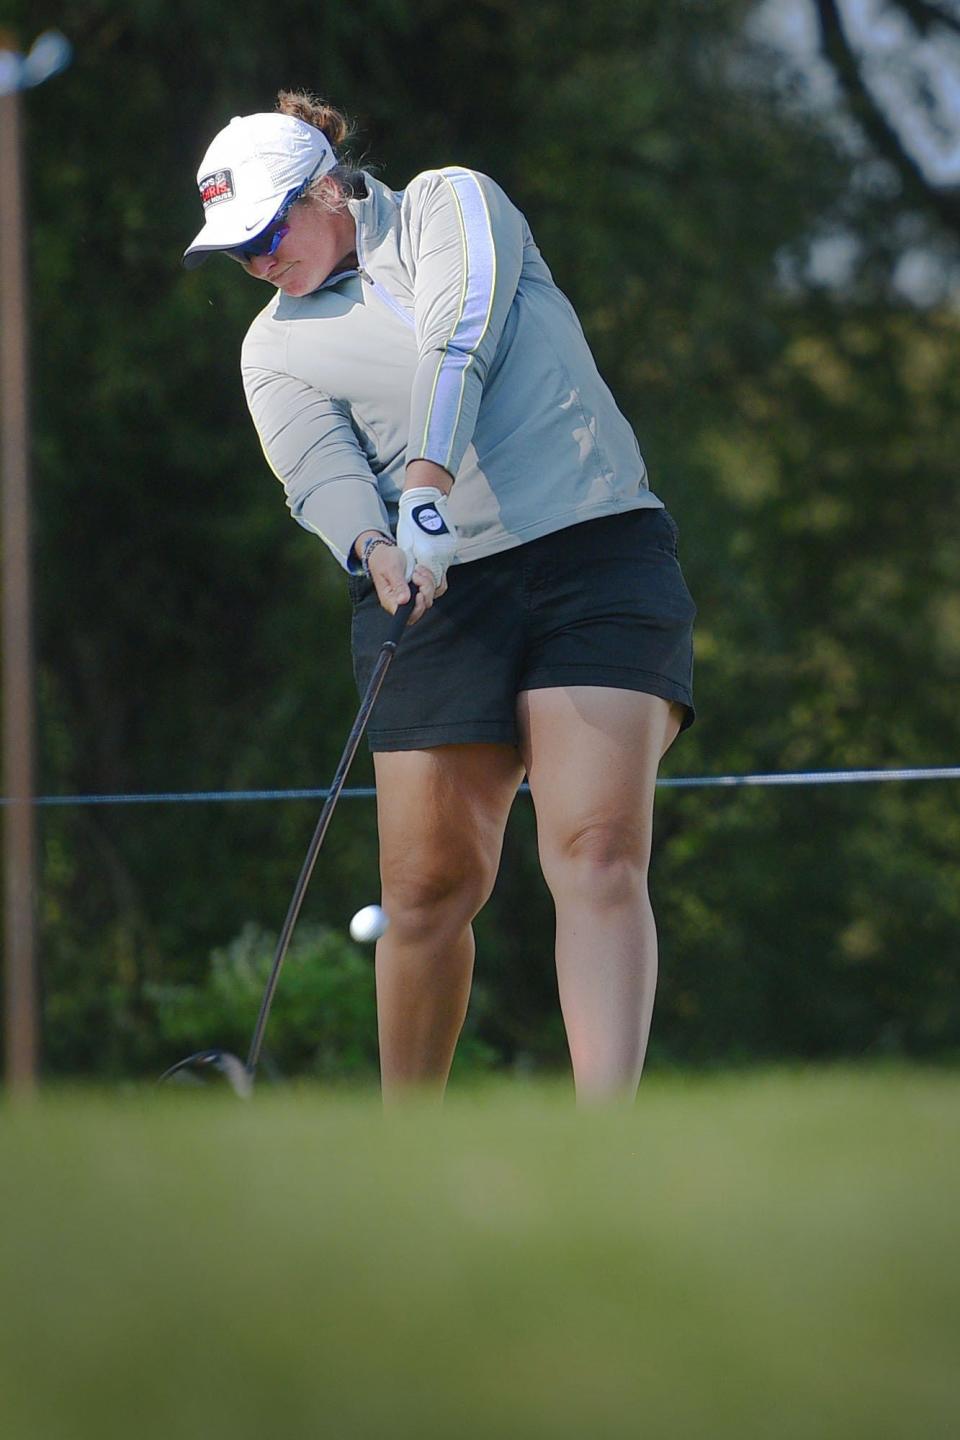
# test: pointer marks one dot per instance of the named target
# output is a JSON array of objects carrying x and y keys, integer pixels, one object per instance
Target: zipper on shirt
[{"x": 381, "y": 292}]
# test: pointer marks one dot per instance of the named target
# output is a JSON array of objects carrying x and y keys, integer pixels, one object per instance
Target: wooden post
[{"x": 20, "y": 973}]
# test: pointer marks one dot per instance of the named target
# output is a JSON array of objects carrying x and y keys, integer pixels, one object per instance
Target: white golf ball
[{"x": 368, "y": 924}]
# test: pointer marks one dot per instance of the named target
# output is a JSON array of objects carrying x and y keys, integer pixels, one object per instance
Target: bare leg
[
  {"x": 441, "y": 816},
  {"x": 592, "y": 756}
]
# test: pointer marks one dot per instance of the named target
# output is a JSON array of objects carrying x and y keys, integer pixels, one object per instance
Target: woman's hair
[{"x": 349, "y": 178}]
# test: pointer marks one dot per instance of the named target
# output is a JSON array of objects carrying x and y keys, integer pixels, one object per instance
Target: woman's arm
[
  {"x": 466, "y": 240},
  {"x": 425, "y": 472},
  {"x": 312, "y": 449}
]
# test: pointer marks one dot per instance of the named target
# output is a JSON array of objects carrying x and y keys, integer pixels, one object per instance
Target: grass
[{"x": 773, "y": 1254}]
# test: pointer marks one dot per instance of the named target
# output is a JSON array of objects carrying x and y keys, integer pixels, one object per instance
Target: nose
[{"x": 262, "y": 265}]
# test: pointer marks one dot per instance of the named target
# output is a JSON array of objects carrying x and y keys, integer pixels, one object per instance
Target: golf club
[{"x": 238, "y": 1075}]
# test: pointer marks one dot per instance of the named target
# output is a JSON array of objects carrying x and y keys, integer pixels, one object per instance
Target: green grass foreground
[{"x": 773, "y": 1254}]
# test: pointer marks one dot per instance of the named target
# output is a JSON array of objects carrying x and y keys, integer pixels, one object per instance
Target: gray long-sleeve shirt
[{"x": 449, "y": 343}]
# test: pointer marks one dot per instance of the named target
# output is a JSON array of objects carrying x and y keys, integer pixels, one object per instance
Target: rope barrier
[{"x": 685, "y": 782}]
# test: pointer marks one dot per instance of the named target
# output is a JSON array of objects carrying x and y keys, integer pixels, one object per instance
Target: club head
[{"x": 198, "y": 1069}]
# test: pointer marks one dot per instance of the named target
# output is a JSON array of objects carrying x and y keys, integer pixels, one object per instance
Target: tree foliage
[{"x": 804, "y": 433}]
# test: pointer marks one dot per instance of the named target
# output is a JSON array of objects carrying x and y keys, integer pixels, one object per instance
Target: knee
[
  {"x": 429, "y": 892},
  {"x": 606, "y": 859}
]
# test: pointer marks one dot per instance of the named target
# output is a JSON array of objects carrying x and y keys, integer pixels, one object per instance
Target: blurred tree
[
  {"x": 919, "y": 24},
  {"x": 803, "y": 430}
]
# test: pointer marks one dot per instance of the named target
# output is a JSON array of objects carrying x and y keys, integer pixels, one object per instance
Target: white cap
[{"x": 247, "y": 173}]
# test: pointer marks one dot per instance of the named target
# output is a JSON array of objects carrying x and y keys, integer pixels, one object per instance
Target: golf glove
[{"x": 425, "y": 532}]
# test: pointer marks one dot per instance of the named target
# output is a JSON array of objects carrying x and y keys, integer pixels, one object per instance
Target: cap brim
[
  {"x": 195, "y": 254},
  {"x": 221, "y": 236}
]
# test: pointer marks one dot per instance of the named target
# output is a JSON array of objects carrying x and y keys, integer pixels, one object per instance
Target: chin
[{"x": 297, "y": 289}]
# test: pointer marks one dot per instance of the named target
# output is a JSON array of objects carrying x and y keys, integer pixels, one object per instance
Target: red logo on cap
[{"x": 217, "y": 187}]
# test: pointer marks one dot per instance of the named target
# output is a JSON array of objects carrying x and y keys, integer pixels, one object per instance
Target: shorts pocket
[
  {"x": 672, "y": 531},
  {"x": 359, "y": 587}
]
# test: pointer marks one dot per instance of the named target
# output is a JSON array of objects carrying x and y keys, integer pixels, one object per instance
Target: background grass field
[{"x": 772, "y": 1254}]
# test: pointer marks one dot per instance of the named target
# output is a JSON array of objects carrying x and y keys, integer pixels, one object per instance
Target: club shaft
[{"x": 387, "y": 652}]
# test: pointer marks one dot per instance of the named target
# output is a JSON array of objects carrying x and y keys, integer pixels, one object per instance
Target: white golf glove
[{"x": 425, "y": 532}]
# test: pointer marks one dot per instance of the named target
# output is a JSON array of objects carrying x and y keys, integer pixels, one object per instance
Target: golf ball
[{"x": 369, "y": 923}]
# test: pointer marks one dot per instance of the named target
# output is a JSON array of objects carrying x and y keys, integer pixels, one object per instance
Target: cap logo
[{"x": 216, "y": 187}]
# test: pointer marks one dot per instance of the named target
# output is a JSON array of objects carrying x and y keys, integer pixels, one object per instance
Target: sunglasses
[
  {"x": 267, "y": 241},
  {"x": 264, "y": 244}
]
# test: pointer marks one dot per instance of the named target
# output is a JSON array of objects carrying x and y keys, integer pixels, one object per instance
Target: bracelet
[{"x": 368, "y": 548}]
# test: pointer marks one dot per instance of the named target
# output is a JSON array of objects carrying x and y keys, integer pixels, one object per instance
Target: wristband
[{"x": 369, "y": 546}]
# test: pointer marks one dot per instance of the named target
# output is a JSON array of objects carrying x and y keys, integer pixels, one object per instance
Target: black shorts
[{"x": 599, "y": 603}]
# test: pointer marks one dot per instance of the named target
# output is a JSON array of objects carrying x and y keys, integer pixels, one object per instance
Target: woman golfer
[{"x": 427, "y": 398}]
